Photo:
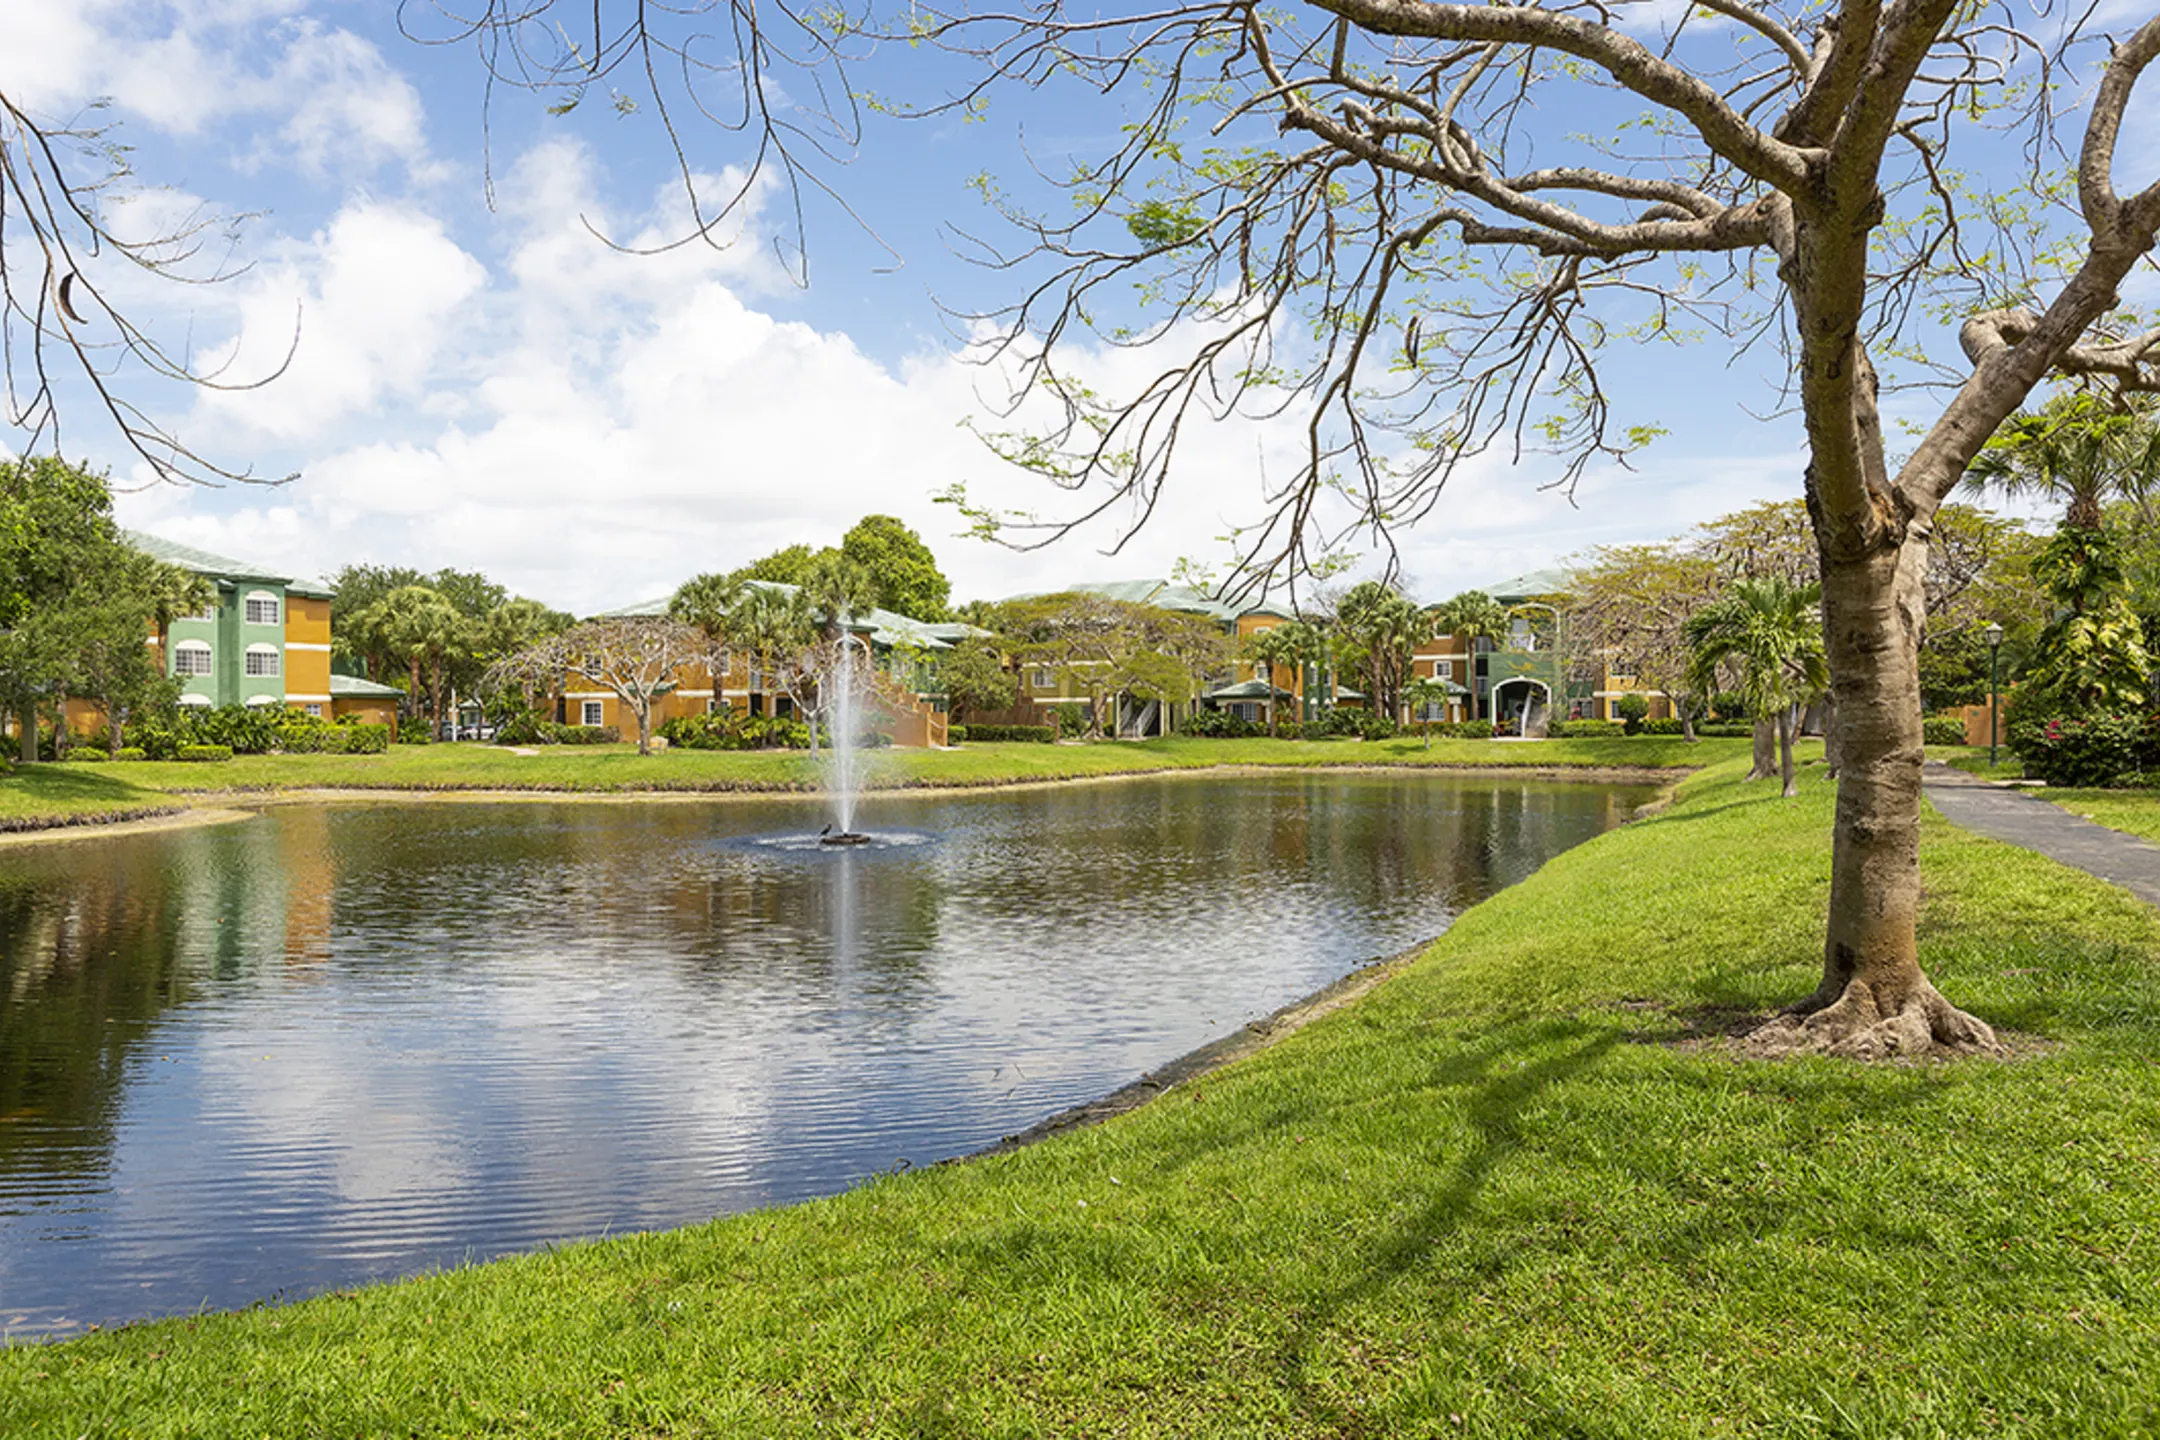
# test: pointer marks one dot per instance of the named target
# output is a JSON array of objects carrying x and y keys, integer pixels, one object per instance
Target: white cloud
[
  {"x": 334, "y": 102},
  {"x": 373, "y": 298}
]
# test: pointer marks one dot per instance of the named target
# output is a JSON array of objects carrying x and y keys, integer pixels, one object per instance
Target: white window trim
[
  {"x": 307, "y": 645},
  {"x": 277, "y": 663},
  {"x": 254, "y": 595},
  {"x": 593, "y": 712},
  {"x": 193, "y": 647}
]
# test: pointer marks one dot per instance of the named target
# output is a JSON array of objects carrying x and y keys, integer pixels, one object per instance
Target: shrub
[
  {"x": 87, "y": 752},
  {"x": 1943, "y": 730},
  {"x": 1473, "y": 730},
  {"x": 1585, "y": 729},
  {"x": 1072, "y": 718},
  {"x": 242, "y": 729},
  {"x": 1723, "y": 729},
  {"x": 128, "y": 752},
  {"x": 998, "y": 734},
  {"x": 207, "y": 754},
  {"x": 956, "y": 734},
  {"x": 300, "y": 734},
  {"x": 776, "y": 732},
  {"x": 2098, "y": 750},
  {"x": 365, "y": 739},
  {"x": 1219, "y": 725},
  {"x": 1667, "y": 726},
  {"x": 581, "y": 734},
  {"x": 415, "y": 730},
  {"x": 1376, "y": 727},
  {"x": 525, "y": 728},
  {"x": 1634, "y": 709},
  {"x": 719, "y": 730}
]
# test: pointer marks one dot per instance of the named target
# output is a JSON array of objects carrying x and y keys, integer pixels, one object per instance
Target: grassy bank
[
  {"x": 47, "y": 789},
  {"x": 34, "y": 797},
  {"x": 1493, "y": 1199}
]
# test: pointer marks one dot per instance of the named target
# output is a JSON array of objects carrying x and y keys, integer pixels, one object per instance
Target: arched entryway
[{"x": 1520, "y": 698}]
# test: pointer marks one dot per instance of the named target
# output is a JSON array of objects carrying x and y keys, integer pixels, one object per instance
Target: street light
[{"x": 1994, "y": 634}]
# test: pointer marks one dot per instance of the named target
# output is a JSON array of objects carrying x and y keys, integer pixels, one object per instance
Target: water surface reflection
[{"x": 345, "y": 1042}]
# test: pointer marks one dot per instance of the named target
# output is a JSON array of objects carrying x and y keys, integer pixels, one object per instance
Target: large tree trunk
[
  {"x": 1788, "y": 720},
  {"x": 1765, "y": 749},
  {"x": 1874, "y": 1000}
]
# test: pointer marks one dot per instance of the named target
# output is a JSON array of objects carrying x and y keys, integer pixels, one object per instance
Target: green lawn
[
  {"x": 1974, "y": 758},
  {"x": 2134, "y": 811},
  {"x": 1492, "y": 1199},
  {"x": 36, "y": 796},
  {"x": 42, "y": 789}
]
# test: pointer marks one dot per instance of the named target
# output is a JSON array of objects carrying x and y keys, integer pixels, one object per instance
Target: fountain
[{"x": 842, "y": 774}]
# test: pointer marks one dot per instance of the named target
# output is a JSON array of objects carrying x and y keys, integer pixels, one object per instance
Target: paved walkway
[{"x": 2033, "y": 823}]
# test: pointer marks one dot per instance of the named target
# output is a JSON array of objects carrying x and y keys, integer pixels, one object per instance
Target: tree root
[{"x": 1857, "y": 1026}]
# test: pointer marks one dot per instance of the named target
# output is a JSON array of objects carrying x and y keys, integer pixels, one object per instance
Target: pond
[{"x": 339, "y": 1043}]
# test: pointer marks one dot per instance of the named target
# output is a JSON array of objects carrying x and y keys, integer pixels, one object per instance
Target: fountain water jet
[{"x": 842, "y": 773}]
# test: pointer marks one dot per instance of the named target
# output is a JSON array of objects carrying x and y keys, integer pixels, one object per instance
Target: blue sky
[{"x": 495, "y": 389}]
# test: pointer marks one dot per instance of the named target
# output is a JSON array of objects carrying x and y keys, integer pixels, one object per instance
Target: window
[
  {"x": 262, "y": 660},
  {"x": 315, "y": 710},
  {"x": 262, "y": 609},
  {"x": 1443, "y": 669},
  {"x": 1042, "y": 678},
  {"x": 591, "y": 712},
  {"x": 191, "y": 657}
]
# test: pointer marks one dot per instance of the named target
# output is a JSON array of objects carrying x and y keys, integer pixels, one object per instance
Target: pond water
[{"x": 338, "y": 1043}]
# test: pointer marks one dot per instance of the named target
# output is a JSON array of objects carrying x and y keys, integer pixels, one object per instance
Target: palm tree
[
  {"x": 174, "y": 592},
  {"x": 1383, "y": 626},
  {"x": 1279, "y": 645},
  {"x": 1474, "y": 615},
  {"x": 1421, "y": 691},
  {"x": 2075, "y": 448},
  {"x": 417, "y": 622},
  {"x": 836, "y": 589},
  {"x": 1771, "y": 631}
]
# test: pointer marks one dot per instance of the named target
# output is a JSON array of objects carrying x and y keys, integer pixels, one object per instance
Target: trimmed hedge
[
  {"x": 996, "y": 734},
  {"x": 1943, "y": 730},
  {"x": 365, "y": 739},
  {"x": 956, "y": 734},
  {"x": 129, "y": 752},
  {"x": 206, "y": 754},
  {"x": 1585, "y": 729},
  {"x": 1668, "y": 726}
]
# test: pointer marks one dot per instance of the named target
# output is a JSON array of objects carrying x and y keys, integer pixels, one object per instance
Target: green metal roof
[
  {"x": 1165, "y": 596},
  {"x": 352, "y": 687},
  {"x": 1250, "y": 690},
  {"x": 202, "y": 562},
  {"x": 887, "y": 628},
  {"x": 1517, "y": 588}
]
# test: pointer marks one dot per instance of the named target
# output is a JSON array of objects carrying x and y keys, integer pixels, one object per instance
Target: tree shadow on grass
[{"x": 1496, "y": 1094}]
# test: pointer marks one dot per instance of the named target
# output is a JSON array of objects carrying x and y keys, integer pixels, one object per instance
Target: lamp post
[{"x": 1994, "y": 642}]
